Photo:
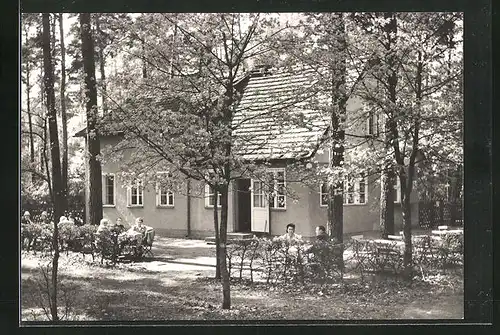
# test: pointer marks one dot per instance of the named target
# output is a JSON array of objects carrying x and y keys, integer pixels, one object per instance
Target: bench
[{"x": 395, "y": 237}]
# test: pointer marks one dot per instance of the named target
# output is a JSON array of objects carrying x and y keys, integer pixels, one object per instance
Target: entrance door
[
  {"x": 260, "y": 208},
  {"x": 244, "y": 206}
]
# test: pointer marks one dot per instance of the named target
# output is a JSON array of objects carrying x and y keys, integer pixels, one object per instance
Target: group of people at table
[
  {"x": 291, "y": 236},
  {"x": 136, "y": 234}
]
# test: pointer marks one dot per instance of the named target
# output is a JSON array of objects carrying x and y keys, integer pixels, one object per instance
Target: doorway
[{"x": 244, "y": 206}]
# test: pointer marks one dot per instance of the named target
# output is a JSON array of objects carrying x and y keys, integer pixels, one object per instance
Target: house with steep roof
[{"x": 253, "y": 208}]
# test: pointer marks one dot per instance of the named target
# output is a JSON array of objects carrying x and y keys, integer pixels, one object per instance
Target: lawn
[{"x": 178, "y": 284}]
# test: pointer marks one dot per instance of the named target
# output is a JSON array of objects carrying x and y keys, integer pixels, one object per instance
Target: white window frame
[
  {"x": 273, "y": 198},
  {"x": 138, "y": 183},
  {"x": 105, "y": 190},
  {"x": 355, "y": 191},
  {"x": 397, "y": 191},
  {"x": 167, "y": 193},
  {"x": 373, "y": 116},
  {"x": 209, "y": 193}
]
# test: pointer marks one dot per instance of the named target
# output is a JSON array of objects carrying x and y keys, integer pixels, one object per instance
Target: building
[{"x": 251, "y": 208}]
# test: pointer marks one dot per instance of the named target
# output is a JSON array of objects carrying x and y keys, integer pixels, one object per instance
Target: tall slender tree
[
  {"x": 64, "y": 117},
  {"x": 94, "y": 188},
  {"x": 387, "y": 177},
  {"x": 54, "y": 153}
]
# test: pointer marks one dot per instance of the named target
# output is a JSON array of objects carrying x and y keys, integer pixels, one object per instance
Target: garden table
[
  {"x": 448, "y": 232},
  {"x": 389, "y": 242}
]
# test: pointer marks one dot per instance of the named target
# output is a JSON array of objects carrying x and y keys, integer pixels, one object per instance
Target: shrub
[{"x": 68, "y": 233}]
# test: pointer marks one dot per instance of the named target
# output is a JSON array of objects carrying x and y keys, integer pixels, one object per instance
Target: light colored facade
[{"x": 174, "y": 218}]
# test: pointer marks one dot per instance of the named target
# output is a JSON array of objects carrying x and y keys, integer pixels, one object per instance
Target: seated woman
[
  {"x": 103, "y": 226},
  {"x": 119, "y": 227},
  {"x": 44, "y": 218},
  {"x": 290, "y": 236},
  {"x": 26, "y": 218}
]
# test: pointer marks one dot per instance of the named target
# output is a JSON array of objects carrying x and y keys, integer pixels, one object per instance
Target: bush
[{"x": 68, "y": 233}]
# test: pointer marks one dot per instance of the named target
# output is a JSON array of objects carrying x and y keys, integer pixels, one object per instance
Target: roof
[{"x": 273, "y": 119}]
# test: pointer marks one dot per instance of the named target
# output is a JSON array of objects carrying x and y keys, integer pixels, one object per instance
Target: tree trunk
[
  {"x": 387, "y": 180},
  {"x": 217, "y": 236},
  {"x": 387, "y": 188},
  {"x": 45, "y": 160},
  {"x": 30, "y": 122},
  {"x": 339, "y": 99},
  {"x": 406, "y": 180},
  {"x": 144, "y": 66},
  {"x": 54, "y": 151},
  {"x": 30, "y": 119},
  {"x": 64, "y": 119},
  {"x": 226, "y": 289},
  {"x": 406, "y": 213},
  {"x": 93, "y": 144},
  {"x": 101, "y": 66},
  {"x": 455, "y": 201}
]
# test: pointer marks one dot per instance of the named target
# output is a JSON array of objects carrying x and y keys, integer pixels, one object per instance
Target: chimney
[{"x": 260, "y": 70}]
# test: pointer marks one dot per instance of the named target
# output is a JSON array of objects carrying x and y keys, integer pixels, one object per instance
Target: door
[
  {"x": 260, "y": 208},
  {"x": 244, "y": 206}
]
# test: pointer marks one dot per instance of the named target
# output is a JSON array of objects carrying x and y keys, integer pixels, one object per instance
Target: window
[
  {"x": 210, "y": 197},
  {"x": 372, "y": 124},
  {"x": 108, "y": 187},
  {"x": 258, "y": 194},
  {"x": 397, "y": 190},
  {"x": 356, "y": 191},
  {"x": 277, "y": 186},
  {"x": 135, "y": 194},
  {"x": 164, "y": 196},
  {"x": 323, "y": 194}
]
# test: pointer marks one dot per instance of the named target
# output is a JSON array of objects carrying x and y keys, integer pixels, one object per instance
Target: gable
[{"x": 274, "y": 119}]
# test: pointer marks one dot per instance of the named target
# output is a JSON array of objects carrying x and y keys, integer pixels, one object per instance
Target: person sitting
[
  {"x": 138, "y": 231},
  {"x": 26, "y": 218},
  {"x": 119, "y": 227},
  {"x": 290, "y": 235},
  {"x": 103, "y": 227},
  {"x": 321, "y": 234},
  {"x": 44, "y": 218},
  {"x": 139, "y": 226}
]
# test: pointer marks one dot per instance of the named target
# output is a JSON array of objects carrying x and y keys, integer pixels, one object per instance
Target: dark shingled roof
[{"x": 259, "y": 128}]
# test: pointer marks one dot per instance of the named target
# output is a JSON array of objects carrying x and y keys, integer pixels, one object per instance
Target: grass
[{"x": 178, "y": 285}]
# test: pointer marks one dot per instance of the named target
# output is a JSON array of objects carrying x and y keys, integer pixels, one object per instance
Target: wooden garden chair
[{"x": 148, "y": 243}]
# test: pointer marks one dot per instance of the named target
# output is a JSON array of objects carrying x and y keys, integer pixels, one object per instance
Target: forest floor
[{"x": 178, "y": 284}]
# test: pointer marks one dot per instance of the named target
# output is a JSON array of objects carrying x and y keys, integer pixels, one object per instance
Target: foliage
[{"x": 43, "y": 293}]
